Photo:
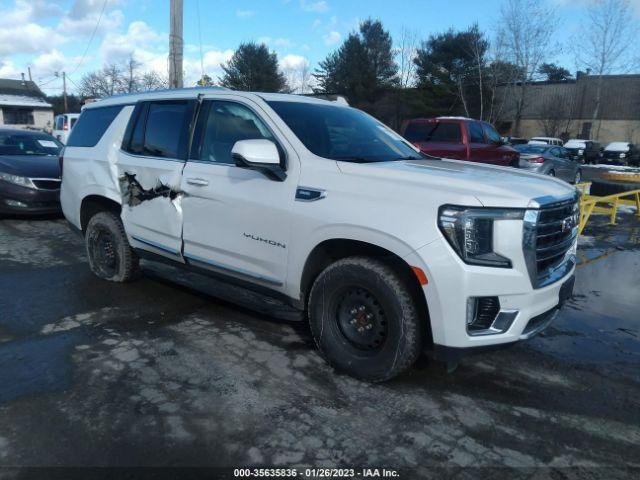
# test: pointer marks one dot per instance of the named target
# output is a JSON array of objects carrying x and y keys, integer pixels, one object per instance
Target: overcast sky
[{"x": 52, "y": 36}]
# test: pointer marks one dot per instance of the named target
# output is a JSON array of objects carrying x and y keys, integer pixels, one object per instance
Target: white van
[
  {"x": 546, "y": 141},
  {"x": 63, "y": 124},
  {"x": 389, "y": 251}
]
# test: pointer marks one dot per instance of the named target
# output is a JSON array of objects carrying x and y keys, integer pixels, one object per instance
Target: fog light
[
  {"x": 15, "y": 203},
  {"x": 481, "y": 312}
]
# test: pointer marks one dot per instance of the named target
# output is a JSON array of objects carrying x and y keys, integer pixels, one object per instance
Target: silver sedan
[{"x": 549, "y": 160}]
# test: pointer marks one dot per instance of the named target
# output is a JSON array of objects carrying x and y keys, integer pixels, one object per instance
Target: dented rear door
[{"x": 150, "y": 169}]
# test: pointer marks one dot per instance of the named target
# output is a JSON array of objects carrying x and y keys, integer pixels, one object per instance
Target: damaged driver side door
[{"x": 150, "y": 166}]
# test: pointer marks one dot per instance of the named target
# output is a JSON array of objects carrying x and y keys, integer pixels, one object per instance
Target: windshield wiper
[
  {"x": 355, "y": 159},
  {"x": 420, "y": 156}
]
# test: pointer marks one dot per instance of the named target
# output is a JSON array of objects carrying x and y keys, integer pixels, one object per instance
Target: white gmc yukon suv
[{"x": 390, "y": 252}]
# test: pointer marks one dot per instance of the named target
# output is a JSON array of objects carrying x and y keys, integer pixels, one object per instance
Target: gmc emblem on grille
[{"x": 567, "y": 224}]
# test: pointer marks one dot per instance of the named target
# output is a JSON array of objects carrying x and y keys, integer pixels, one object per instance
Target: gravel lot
[{"x": 161, "y": 372}]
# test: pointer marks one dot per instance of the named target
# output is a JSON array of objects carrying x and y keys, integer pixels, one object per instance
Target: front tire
[
  {"x": 108, "y": 250},
  {"x": 364, "y": 319}
]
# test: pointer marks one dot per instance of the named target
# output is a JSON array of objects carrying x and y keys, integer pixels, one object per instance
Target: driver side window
[{"x": 227, "y": 123}]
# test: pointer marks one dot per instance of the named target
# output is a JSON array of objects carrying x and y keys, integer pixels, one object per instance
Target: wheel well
[
  {"x": 94, "y": 204},
  {"x": 333, "y": 250}
]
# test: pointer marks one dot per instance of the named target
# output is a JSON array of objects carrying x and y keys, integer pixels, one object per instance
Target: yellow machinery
[{"x": 590, "y": 204}]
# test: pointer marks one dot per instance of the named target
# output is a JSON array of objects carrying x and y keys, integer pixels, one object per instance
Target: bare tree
[
  {"x": 607, "y": 44},
  {"x": 555, "y": 116},
  {"x": 526, "y": 29},
  {"x": 114, "y": 79},
  {"x": 479, "y": 48},
  {"x": 405, "y": 54},
  {"x": 152, "y": 80},
  {"x": 299, "y": 78},
  {"x": 131, "y": 67}
]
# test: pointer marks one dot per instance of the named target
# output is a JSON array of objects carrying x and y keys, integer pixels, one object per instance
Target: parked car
[
  {"x": 550, "y": 160},
  {"x": 29, "y": 172},
  {"x": 585, "y": 151},
  {"x": 459, "y": 138},
  {"x": 63, "y": 124},
  {"x": 546, "y": 141},
  {"x": 620, "y": 153},
  {"x": 390, "y": 252}
]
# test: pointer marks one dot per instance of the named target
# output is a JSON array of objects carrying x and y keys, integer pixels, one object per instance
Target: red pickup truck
[{"x": 459, "y": 138}]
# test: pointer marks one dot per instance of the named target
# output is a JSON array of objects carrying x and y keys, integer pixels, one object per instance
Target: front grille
[
  {"x": 46, "y": 184},
  {"x": 550, "y": 232},
  {"x": 573, "y": 151}
]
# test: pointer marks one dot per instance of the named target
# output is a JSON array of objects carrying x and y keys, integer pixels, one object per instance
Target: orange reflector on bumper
[{"x": 422, "y": 278}]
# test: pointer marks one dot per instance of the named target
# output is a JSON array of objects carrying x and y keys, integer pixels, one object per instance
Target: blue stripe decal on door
[
  {"x": 232, "y": 269},
  {"x": 156, "y": 245}
]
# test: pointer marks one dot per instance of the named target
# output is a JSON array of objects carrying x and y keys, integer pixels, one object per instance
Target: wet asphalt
[{"x": 172, "y": 370}]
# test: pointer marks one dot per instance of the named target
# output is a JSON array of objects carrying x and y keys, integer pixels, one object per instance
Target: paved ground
[{"x": 158, "y": 373}]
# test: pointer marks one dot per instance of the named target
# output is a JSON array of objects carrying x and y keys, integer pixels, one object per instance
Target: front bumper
[
  {"x": 451, "y": 283},
  {"x": 15, "y": 199}
]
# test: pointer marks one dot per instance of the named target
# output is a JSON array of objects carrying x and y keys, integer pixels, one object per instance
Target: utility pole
[
  {"x": 64, "y": 91},
  {"x": 175, "y": 44}
]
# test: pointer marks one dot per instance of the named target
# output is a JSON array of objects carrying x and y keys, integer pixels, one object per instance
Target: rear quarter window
[
  {"x": 434, "y": 132},
  {"x": 91, "y": 126}
]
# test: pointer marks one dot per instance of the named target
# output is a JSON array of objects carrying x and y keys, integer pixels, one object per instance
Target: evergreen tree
[
  {"x": 253, "y": 68},
  {"x": 361, "y": 66}
]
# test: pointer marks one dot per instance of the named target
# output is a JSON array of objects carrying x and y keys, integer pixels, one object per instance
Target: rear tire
[
  {"x": 551, "y": 173},
  {"x": 364, "y": 319},
  {"x": 110, "y": 255}
]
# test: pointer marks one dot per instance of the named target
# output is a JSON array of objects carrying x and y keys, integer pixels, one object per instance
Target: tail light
[
  {"x": 65, "y": 125},
  {"x": 536, "y": 160}
]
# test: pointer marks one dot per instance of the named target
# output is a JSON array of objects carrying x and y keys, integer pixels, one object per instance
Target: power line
[
  {"x": 71, "y": 80},
  {"x": 47, "y": 82},
  {"x": 95, "y": 29}
]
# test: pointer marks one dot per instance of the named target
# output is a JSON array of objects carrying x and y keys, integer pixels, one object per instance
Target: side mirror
[{"x": 261, "y": 155}]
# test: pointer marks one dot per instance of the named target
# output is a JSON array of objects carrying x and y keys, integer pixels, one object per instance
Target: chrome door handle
[{"x": 201, "y": 182}]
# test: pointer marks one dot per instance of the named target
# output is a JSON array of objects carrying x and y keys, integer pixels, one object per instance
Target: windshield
[
  {"x": 530, "y": 148},
  {"x": 342, "y": 133},
  {"x": 618, "y": 147},
  {"x": 28, "y": 144},
  {"x": 575, "y": 144}
]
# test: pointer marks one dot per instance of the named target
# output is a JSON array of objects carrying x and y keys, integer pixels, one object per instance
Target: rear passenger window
[
  {"x": 92, "y": 124},
  {"x": 416, "y": 132},
  {"x": 161, "y": 129},
  {"x": 433, "y": 132},
  {"x": 165, "y": 128},
  {"x": 475, "y": 133}
]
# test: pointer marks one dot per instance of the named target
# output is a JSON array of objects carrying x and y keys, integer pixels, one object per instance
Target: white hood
[{"x": 456, "y": 180}]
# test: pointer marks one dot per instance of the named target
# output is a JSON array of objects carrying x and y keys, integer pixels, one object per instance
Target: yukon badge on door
[{"x": 269, "y": 242}]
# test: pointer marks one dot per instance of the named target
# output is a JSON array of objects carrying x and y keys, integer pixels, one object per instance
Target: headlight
[
  {"x": 469, "y": 231},
  {"x": 580, "y": 151},
  {"x": 623, "y": 155},
  {"x": 15, "y": 179}
]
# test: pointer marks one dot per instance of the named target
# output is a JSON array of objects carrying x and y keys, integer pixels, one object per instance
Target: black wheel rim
[
  {"x": 104, "y": 255},
  {"x": 361, "y": 319}
]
